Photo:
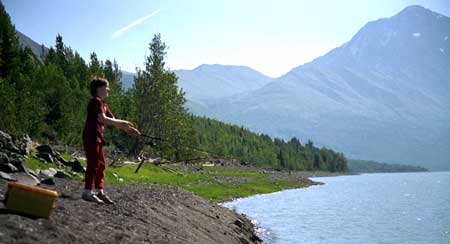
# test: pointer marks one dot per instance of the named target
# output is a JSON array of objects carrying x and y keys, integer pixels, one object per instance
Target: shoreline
[{"x": 142, "y": 213}]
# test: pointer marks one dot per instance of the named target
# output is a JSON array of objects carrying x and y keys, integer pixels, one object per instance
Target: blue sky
[{"x": 271, "y": 36}]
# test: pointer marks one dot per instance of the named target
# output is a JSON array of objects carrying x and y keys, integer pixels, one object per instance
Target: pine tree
[
  {"x": 9, "y": 46},
  {"x": 160, "y": 105},
  {"x": 95, "y": 66}
]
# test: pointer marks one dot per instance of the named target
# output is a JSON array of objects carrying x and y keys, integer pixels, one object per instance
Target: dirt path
[{"x": 142, "y": 214}]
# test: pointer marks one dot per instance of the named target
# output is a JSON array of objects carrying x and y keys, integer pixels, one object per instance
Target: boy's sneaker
[
  {"x": 91, "y": 197},
  {"x": 105, "y": 198}
]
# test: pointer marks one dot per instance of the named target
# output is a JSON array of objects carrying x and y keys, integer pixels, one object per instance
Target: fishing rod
[
  {"x": 154, "y": 138},
  {"x": 190, "y": 147}
]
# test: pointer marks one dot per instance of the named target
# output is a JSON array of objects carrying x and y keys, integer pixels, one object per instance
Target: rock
[
  {"x": 7, "y": 176},
  {"x": 4, "y": 159},
  {"x": 76, "y": 166},
  {"x": 45, "y": 149},
  {"x": 61, "y": 159},
  {"x": 46, "y": 156},
  {"x": 238, "y": 222},
  {"x": 50, "y": 172},
  {"x": 21, "y": 177},
  {"x": 28, "y": 144},
  {"x": 48, "y": 181},
  {"x": 62, "y": 174},
  {"x": 256, "y": 239},
  {"x": 8, "y": 168},
  {"x": 19, "y": 163},
  {"x": 5, "y": 137},
  {"x": 12, "y": 148},
  {"x": 26, "y": 178}
]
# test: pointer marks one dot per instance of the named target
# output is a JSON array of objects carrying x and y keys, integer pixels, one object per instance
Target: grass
[
  {"x": 214, "y": 183},
  {"x": 229, "y": 191},
  {"x": 35, "y": 164},
  {"x": 204, "y": 183}
]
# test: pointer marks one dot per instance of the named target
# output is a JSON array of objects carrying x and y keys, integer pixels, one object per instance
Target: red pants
[{"x": 95, "y": 170}]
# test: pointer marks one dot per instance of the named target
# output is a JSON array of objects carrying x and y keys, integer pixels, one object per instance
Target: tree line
[
  {"x": 261, "y": 150},
  {"x": 46, "y": 97},
  {"x": 367, "y": 166}
]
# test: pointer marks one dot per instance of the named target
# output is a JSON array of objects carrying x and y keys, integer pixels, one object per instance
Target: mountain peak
[
  {"x": 417, "y": 11},
  {"x": 414, "y": 8},
  {"x": 392, "y": 42},
  {"x": 221, "y": 67}
]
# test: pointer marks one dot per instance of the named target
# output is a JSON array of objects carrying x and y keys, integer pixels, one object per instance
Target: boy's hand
[
  {"x": 124, "y": 125},
  {"x": 133, "y": 131}
]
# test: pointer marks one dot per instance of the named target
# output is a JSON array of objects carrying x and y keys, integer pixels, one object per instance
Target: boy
[{"x": 98, "y": 114}]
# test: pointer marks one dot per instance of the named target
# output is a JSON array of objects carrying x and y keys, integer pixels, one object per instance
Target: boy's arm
[{"x": 124, "y": 125}]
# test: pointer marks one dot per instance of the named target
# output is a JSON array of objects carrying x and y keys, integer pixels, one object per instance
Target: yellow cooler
[{"x": 30, "y": 200}]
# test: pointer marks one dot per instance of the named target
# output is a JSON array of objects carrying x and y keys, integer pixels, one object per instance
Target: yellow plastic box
[{"x": 30, "y": 200}]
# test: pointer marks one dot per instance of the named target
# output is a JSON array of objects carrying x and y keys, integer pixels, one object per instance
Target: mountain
[
  {"x": 217, "y": 81},
  {"x": 381, "y": 96},
  {"x": 127, "y": 79},
  {"x": 212, "y": 81},
  {"x": 25, "y": 41}
]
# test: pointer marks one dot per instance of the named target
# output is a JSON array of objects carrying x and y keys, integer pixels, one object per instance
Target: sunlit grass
[
  {"x": 35, "y": 164},
  {"x": 213, "y": 183}
]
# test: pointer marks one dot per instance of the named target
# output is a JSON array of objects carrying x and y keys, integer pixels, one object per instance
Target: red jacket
[{"x": 93, "y": 129}]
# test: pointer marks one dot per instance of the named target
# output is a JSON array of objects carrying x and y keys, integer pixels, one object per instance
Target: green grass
[
  {"x": 229, "y": 191},
  {"x": 202, "y": 182},
  {"x": 35, "y": 164},
  {"x": 213, "y": 183}
]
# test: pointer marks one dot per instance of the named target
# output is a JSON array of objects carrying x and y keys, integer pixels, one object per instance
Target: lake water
[{"x": 369, "y": 208}]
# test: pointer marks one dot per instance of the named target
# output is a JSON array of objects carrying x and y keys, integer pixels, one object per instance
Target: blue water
[{"x": 370, "y": 208}]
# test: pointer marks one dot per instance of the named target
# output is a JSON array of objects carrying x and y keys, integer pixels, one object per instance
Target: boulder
[
  {"x": 46, "y": 156},
  {"x": 8, "y": 168},
  {"x": 62, "y": 174},
  {"x": 19, "y": 163},
  {"x": 22, "y": 177},
  {"x": 4, "y": 159},
  {"x": 238, "y": 222},
  {"x": 6, "y": 176},
  {"x": 5, "y": 140},
  {"x": 45, "y": 149},
  {"x": 61, "y": 159},
  {"x": 76, "y": 166},
  {"x": 47, "y": 173},
  {"x": 27, "y": 144},
  {"x": 48, "y": 181},
  {"x": 26, "y": 178}
]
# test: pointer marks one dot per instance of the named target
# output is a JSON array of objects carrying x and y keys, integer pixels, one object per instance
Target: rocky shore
[{"x": 142, "y": 214}]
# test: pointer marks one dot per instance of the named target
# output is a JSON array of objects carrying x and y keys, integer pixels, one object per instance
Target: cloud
[{"x": 139, "y": 21}]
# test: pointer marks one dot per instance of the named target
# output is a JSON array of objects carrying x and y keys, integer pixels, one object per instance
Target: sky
[{"x": 270, "y": 36}]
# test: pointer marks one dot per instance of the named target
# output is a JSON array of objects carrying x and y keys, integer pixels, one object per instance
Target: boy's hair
[{"x": 96, "y": 83}]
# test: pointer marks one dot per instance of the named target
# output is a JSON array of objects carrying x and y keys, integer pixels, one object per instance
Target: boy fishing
[{"x": 98, "y": 114}]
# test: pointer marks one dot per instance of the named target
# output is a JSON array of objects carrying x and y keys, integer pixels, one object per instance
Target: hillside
[
  {"x": 363, "y": 166},
  {"x": 25, "y": 41},
  {"x": 381, "y": 96},
  {"x": 211, "y": 81}
]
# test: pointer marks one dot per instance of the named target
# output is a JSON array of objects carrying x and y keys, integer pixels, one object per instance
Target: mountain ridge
[{"x": 370, "y": 87}]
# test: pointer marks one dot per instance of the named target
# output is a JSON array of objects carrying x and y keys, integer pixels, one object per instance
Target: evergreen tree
[
  {"x": 9, "y": 46},
  {"x": 160, "y": 105},
  {"x": 95, "y": 66}
]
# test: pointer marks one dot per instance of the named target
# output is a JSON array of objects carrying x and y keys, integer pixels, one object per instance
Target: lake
[{"x": 368, "y": 208}]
